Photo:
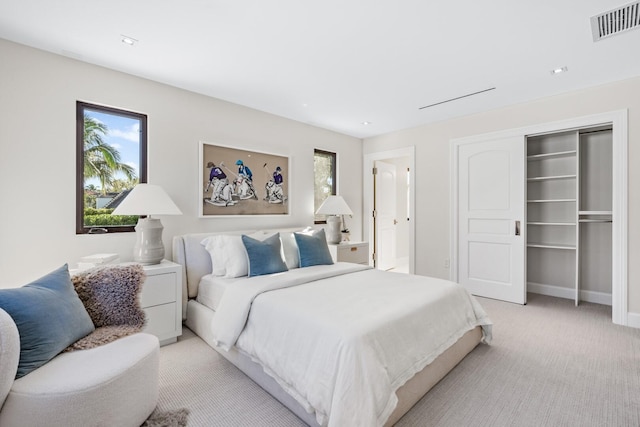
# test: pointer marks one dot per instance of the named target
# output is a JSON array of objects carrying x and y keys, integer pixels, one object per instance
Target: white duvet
[{"x": 341, "y": 339}]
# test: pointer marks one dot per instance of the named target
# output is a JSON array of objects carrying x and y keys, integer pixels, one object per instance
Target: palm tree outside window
[{"x": 111, "y": 146}]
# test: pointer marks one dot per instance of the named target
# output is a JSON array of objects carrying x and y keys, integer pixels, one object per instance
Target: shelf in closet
[
  {"x": 549, "y": 178},
  {"x": 551, "y": 200},
  {"x": 601, "y": 216},
  {"x": 555, "y": 155},
  {"x": 551, "y": 246},
  {"x": 595, "y": 212}
]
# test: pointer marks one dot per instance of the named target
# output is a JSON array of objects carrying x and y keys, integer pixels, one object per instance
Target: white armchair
[
  {"x": 112, "y": 385},
  {"x": 9, "y": 354}
]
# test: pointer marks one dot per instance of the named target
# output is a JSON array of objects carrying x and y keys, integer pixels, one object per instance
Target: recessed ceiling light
[
  {"x": 128, "y": 40},
  {"x": 559, "y": 70},
  {"x": 366, "y": 123}
]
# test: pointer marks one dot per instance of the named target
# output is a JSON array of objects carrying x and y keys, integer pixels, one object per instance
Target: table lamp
[
  {"x": 147, "y": 199},
  {"x": 335, "y": 207}
]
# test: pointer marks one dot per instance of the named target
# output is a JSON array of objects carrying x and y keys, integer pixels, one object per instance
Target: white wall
[
  {"x": 38, "y": 94},
  {"x": 432, "y": 164}
]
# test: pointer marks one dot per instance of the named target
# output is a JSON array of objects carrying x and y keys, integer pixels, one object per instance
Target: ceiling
[{"x": 338, "y": 64}]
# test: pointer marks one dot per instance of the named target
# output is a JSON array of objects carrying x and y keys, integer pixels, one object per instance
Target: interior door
[
  {"x": 385, "y": 207},
  {"x": 491, "y": 219}
]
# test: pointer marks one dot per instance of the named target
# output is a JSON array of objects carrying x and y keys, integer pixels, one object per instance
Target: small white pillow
[
  {"x": 228, "y": 254},
  {"x": 236, "y": 263},
  {"x": 290, "y": 250},
  {"x": 215, "y": 246}
]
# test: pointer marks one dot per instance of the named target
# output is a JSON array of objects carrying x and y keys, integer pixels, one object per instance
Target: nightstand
[
  {"x": 356, "y": 252},
  {"x": 161, "y": 299}
]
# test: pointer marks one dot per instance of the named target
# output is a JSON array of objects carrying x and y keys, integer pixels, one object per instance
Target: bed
[{"x": 336, "y": 343}]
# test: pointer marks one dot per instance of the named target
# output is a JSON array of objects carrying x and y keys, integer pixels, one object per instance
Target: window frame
[
  {"x": 334, "y": 180},
  {"x": 142, "y": 178}
]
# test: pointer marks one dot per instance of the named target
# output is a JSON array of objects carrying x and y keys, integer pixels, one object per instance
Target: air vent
[{"x": 616, "y": 21}]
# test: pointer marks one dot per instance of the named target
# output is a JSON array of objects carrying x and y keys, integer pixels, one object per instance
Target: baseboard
[
  {"x": 633, "y": 320},
  {"x": 402, "y": 261},
  {"x": 560, "y": 292}
]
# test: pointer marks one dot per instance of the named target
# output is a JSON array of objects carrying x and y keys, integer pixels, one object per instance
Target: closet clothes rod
[{"x": 595, "y": 131}]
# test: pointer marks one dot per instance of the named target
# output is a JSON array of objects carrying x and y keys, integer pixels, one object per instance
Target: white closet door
[{"x": 491, "y": 226}]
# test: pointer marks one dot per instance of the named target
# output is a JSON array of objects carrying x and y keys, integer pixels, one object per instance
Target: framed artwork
[{"x": 242, "y": 182}]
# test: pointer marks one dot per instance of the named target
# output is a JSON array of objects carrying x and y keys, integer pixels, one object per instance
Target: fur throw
[
  {"x": 103, "y": 335},
  {"x": 176, "y": 418},
  {"x": 111, "y": 295}
]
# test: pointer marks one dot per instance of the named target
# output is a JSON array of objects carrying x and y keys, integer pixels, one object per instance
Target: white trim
[
  {"x": 595, "y": 297},
  {"x": 633, "y": 320},
  {"x": 402, "y": 261},
  {"x": 453, "y": 209},
  {"x": 569, "y": 293},
  {"x": 620, "y": 141},
  {"x": 620, "y": 219},
  {"x": 367, "y": 183}
]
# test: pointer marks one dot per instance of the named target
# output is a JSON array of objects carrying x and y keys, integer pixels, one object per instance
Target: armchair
[{"x": 114, "y": 384}]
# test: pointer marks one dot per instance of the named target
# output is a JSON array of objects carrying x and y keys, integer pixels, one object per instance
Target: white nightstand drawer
[
  {"x": 161, "y": 299},
  {"x": 161, "y": 320},
  {"x": 357, "y": 253},
  {"x": 158, "y": 289}
]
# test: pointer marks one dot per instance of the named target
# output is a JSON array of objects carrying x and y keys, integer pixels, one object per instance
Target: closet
[{"x": 569, "y": 214}]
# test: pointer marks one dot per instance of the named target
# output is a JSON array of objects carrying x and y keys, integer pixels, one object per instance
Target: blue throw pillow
[
  {"x": 49, "y": 316},
  {"x": 264, "y": 256},
  {"x": 313, "y": 249}
]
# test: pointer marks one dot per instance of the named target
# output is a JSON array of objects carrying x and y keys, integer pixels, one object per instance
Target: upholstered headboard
[{"x": 196, "y": 262}]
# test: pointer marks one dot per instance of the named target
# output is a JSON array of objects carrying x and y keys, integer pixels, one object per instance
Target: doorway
[{"x": 389, "y": 220}]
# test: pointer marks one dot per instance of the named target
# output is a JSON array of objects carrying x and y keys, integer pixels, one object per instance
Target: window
[
  {"x": 324, "y": 168},
  {"x": 111, "y": 158}
]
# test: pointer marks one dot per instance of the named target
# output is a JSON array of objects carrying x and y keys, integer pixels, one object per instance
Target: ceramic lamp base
[
  {"x": 334, "y": 224},
  {"x": 148, "y": 249}
]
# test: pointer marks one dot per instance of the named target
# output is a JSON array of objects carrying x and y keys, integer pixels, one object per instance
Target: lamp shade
[
  {"x": 147, "y": 199},
  {"x": 334, "y": 205}
]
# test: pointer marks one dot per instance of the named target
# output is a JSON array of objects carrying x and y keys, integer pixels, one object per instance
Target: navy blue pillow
[
  {"x": 313, "y": 249},
  {"x": 49, "y": 316},
  {"x": 264, "y": 256}
]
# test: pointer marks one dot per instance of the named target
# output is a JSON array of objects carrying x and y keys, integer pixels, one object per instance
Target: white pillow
[
  {"x": 228, "y": 254},
  {"x": 290, "y": 250},
  {"x": 215, "y": 246}
]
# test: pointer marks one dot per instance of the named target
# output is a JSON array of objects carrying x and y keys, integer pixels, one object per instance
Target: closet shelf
[
  {"x": 595, "y": 212},
  {"x": 552, "y": 223},
  {"x": 550, "y": 200},
  {"x": 595, "y": 220},
  {"x": 546, "y": 156},
  {"x": 551, "y": 246},
  {"x": 551, "y": 177}
]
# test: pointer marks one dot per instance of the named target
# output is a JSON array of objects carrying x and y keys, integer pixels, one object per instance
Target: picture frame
[{"x": 239, "y": 182}]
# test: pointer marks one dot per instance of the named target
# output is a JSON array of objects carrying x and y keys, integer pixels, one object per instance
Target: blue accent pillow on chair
[
  {"x": 49, "y": 316},
  {"x": 264, "y": 255},
  {"x": 313, "y": 249}
]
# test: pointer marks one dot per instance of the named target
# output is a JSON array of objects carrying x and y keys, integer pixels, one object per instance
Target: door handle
[{"x": 517, "y": 228}]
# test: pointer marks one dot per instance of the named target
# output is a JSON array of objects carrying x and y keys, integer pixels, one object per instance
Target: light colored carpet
[{"x": 550, "y": 364}]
